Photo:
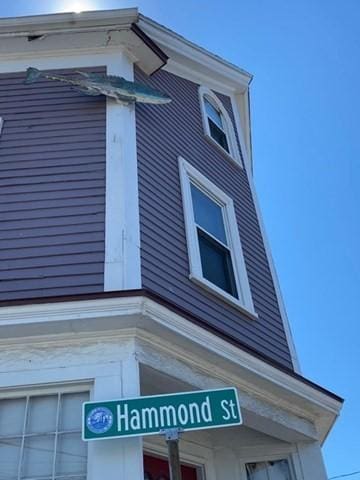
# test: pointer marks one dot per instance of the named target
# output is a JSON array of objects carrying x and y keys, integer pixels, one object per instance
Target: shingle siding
[
  {"x": 52, "y": 189},
  {"x": 164, "y": 133}
]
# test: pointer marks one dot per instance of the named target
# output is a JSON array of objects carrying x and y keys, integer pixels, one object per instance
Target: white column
[
  {"x": 133, "y": 467},
  {"x": 117, "y": 459},
  {"x": 311, "y": 461},
  {"x": 104, "y": 456},
  {"x": 122, "y": 229}
]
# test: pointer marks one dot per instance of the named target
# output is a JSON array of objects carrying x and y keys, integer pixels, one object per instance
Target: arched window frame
[{"x": 228, "y": 127}]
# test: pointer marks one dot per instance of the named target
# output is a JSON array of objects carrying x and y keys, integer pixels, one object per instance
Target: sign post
[
  {"x": 172, "y": 440},
  {"x": 161, "y": 414}
]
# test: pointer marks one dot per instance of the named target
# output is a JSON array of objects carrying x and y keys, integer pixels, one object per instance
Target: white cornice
[
  {"x": 238, "y": 356},
  {"x": 79, "y": 38},
  {"x": 41, "y": 24},
  {"x": 183, "y": 53},
  {"x": 86, "y": 309},
  {"x": 193, "y": 58},
  {"x": 19, "y": 324}
]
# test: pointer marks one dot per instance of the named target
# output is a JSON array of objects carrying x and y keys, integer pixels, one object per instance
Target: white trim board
[
  {"x": 241, "y": 121},
  {"x": 91, "y": 57},
  {"x": 281, "y": 303},
  {"x": 122, "y": 269},
  {"x": 22, "y": 324}
]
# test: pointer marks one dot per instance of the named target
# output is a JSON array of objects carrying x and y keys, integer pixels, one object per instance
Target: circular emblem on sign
[{"x": 99, "y": 420}]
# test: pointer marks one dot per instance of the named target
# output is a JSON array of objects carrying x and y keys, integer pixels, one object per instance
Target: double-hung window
[
  {"x": 214, "y": 248},
  {"x": 40, "y": 437},
  {"x": 215, "y": 254},
  {"x": 218, "y": 126}
]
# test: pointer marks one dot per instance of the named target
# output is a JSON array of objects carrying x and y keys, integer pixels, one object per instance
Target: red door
[{"x": 158, "y": 469}]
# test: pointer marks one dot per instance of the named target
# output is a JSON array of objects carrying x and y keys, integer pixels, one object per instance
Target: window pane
[
  {"x": 71, "y": 454},
  {"x": 279, "y": 470},
  {"x": 37, "y": 460},
  {"x": 218, "y": 135},
  {"x": 276, "y": 470},
  {"x": 38, "y": 456},
  {"x": 42, "y": 414},
  {"x": 12, "y": 416},
  {"x": 208, "y": 214},
  {"x": 9, "y": 457},
  {"x": 256, "y": 471},
  {"x": 216, "y": 264},
  {"x": 213, "y": 113},
  {"x": 70, "y": 410}
]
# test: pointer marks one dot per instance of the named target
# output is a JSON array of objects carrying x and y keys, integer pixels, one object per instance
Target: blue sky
[{"x": 305, "y": 102}]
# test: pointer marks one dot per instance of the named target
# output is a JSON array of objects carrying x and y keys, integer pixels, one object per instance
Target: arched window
[{"x": 217, "y": 123}]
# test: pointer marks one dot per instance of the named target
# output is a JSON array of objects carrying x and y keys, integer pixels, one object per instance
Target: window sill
[
  {"x": 226, "y": 297},
  {"x": 236, "y": 161}
]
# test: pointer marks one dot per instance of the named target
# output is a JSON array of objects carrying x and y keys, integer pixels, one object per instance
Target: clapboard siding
[
  {"x": 164, "y": 133},
  {"x": 52, "y": 189}
]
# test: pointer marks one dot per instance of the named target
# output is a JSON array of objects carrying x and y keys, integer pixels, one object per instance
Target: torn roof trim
[
  {"x": 160, "y": 40},
  {"x": 66, "y": 22},
  {"x": 145, "y": 52}
]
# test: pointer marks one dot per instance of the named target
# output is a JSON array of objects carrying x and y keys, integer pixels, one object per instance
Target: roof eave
[
  {"x": 170, "y": 42},
  {"x": 142, "y": 49},
  {"x": 176, "y": 46},
  {"x": 60, "y": 22}
]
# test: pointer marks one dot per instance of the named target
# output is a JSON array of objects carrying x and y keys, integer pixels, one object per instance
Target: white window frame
[
  {"x": 270, "y": 458},
  {"x": 234, "y": 153},
  {"x": 189, "y": 175},
  {"x": 44, "y": 391}
]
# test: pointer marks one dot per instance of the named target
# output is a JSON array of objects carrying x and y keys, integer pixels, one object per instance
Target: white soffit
[
  {"x": 194, "y": 60},
  {"x": 45, "y": 34}
]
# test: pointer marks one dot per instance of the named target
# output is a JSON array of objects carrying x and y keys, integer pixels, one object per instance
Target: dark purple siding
[
  {"x": 52, "y": 189},
  {"x": 163, "y": 133}
]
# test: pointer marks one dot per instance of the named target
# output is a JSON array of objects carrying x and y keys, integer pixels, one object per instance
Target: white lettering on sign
[
  {"x": 167, "y": 410},
  {"x": 164, "y": 416},
  {"x": 194, "y": 407},
  {"x": 206, "y": 410},
  {"x": 150, "y": 417},
  {"x": 225, "y": 405},
  {"x": 135, "y": 422},
  {"x": 183, "y": 414},
  {"x": 123, "y": 416}
]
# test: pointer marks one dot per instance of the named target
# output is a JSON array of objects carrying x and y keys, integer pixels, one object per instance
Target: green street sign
[{"x": 151, "y": 415}]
